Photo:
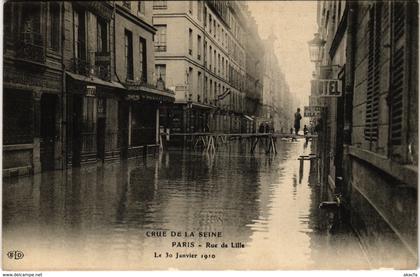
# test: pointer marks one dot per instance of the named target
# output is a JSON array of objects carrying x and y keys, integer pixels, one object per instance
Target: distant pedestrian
[
  {"x": 306, "y": 132},
  {"x": 298, "y": 117}
]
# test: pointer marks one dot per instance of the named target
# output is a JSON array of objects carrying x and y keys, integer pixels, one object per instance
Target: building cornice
[{"x": 121, "y": 11}]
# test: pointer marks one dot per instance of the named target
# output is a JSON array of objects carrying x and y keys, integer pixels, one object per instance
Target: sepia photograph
[{"x": 209, "y": 135}]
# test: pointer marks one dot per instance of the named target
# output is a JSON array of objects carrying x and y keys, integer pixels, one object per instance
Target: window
[
  {"x": 142, "y": 7},
  {"x": 190, "y": 82},
  {"x": 161, "y": 71},
  {"x": 205, "y": 17},
  {"x": 198, "y": 47},
  {"x": 209, "y": 57},
  {"x": 54, "y": 26},
  {"x": 205, "y": 52},
  {"x": 190, "y": 6},
  {"x": 214, "y": 28},
  {"x": 102, "y": 36},
  {"x": 218, "y": 63},
  {"x": 160, "y": 38},
  {"x": 401, "y": 66},
  {"x": 223, "y": 66},
  {"x": 215, "y": 61},
  {"x": 128, "y": 54},
  {"x": 190, "y": 41},
  {"x": 18, "y": 124},
  {"x": 210, "y": 23},
  {"x": 199, "y": 87},
  {"x": 211, "y": 91},
  {"x": 143, "y": 59},
  {"x": 160, "y": 5},
  {"x": 373, "y": 74},
  {"x": 199, "y": 10},
  {"x": 205, "y": 90}
]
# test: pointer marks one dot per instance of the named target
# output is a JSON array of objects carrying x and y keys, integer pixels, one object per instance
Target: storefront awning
[
  {"x": 94, "y": 80},
  {"x": 248, "y": 117},
  {"x": 149, "y": 93}
]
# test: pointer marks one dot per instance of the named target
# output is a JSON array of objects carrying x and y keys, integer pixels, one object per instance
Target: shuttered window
[
  {"x": 373, "y": 74},
  {"x": 398, "y": 73}
]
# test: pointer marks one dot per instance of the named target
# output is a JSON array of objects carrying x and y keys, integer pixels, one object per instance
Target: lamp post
[{"x": 316, "y": 47}]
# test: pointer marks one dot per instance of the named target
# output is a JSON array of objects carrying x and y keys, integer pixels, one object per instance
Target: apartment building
[
  {"x": 199, "y": 53},
  {"x": 370, "y": 133}
]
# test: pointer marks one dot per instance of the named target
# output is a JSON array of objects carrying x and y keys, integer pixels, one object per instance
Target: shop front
[
  {"x": 93, "y": 126},
  {"x": 141, "y": 115}
]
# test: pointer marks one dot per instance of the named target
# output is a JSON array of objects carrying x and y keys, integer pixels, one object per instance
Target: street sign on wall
[
  {"x": 326, "y": 88},
  {"x": 312, "y": 111}
]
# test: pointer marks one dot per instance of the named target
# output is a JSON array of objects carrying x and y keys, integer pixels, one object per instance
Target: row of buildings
[
  {"x": 368, "y": 140},
  {"x": 99, "y": 80}
]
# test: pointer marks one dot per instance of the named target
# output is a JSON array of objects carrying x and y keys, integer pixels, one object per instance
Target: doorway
[{"x": 47, "y": 132}]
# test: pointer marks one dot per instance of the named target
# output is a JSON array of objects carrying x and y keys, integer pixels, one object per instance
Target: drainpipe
[{"x": 64, "y": 110}]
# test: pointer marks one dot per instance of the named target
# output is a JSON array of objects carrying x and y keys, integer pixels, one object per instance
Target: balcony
[
  {"x": 98, "y": 65},
  {"x": 160, "y": 47},
  {"x": 31, "y": 47},
  {"x": 103, "y": 65}
]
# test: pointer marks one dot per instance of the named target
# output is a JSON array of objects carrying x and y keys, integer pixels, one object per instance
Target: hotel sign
[
  {"x": 327, "y": 88},
  {"x": 312, "y": 111}
]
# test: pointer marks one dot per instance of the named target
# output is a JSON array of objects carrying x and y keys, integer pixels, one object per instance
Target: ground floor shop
[{"x": 32, "y": 121}]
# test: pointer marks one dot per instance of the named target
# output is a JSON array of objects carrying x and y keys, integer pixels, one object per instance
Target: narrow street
[{"x": 97, "y": 217}]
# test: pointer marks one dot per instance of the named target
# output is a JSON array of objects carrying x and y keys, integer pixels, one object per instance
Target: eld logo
[{"x": 15, "y": 254}]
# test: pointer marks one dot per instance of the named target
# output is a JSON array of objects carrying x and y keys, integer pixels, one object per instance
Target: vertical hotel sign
[{"x": 90, "y": 91}]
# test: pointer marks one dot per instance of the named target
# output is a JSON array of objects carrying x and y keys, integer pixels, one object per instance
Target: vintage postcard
[{"x": 209, "y": 135}]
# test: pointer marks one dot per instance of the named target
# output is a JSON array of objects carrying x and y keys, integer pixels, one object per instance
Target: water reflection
[{"x": 97, "y": 216}]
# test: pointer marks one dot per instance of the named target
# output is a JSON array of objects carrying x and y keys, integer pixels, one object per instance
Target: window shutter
[
  {"x": 398, "y": 73},
  {"x": 373, "y": 74}
]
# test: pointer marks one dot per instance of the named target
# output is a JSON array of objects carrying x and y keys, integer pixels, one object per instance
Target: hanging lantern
[{"x": 316, "y": 46}]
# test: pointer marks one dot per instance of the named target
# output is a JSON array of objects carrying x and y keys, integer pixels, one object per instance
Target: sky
[{"x": 294, "y": 24}]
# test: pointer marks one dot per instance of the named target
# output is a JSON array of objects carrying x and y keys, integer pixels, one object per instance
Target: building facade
[
  {"x": 80, "y": 88},
  {"x": 33, "y": 137},
  {"x": 199, "y": 52},
  {"x": 369, "y": 148}
]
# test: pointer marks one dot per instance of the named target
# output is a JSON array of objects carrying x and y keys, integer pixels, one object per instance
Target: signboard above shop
[
  {"x": 312, "y": 111},
  {"x": 326, "y": 88}
]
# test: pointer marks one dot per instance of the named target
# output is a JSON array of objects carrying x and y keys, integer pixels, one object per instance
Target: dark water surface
[{"x": 97, "y": 217}]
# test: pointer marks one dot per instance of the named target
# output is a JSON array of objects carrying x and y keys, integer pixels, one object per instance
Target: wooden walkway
[{"x": 210, "y": 141}]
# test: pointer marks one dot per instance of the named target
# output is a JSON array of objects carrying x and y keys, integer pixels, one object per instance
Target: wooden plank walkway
[{"x": 210, "y": 141}]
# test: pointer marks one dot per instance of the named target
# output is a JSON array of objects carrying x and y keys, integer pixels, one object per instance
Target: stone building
[
  {"x": 33, "y": 136},
  {"x": 145, "y": 93},
  {"x": 79, "y": 84},
  {"x": 254, "y": 49},
  {"x": 370, "y": 134},
  {"x": 199, "y": 54}
]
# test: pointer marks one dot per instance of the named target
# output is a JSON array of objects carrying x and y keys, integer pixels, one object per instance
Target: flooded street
[{"x": 112, "y": 216}]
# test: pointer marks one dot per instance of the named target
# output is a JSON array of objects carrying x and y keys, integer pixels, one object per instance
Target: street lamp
[{"x": 316, "y": 46}]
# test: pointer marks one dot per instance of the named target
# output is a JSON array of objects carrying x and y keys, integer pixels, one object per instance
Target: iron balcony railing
[{"x": 98, "y": 64}]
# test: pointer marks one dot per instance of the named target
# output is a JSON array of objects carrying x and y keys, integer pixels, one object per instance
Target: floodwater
[{"x": 177, "y": 209}]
